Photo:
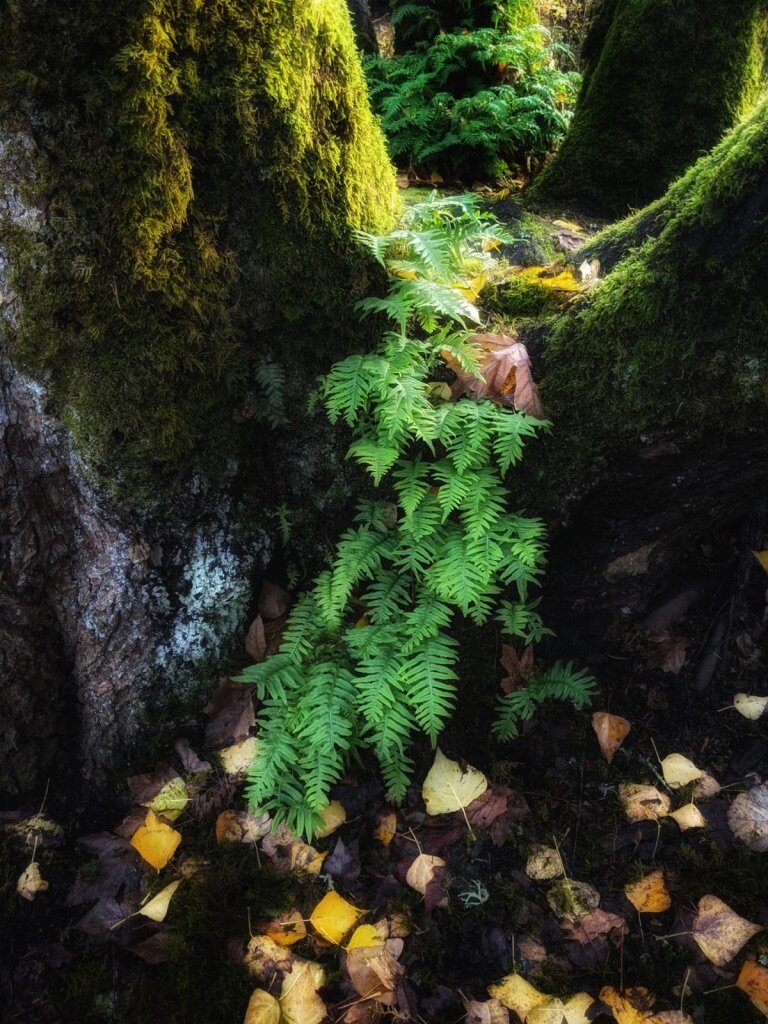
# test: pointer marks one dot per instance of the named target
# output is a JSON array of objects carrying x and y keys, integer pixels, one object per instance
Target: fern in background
[
  {"x": 367, "y": 658},
  {"x": 477, "y": 102}
]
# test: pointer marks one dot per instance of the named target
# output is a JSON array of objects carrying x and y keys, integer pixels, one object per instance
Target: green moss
[
  {"x": 202, "y": 167},
  {"x": 675, "y": 335},
  {"x": 516, "y": 298},
  {"x": 664, "y": 80}
]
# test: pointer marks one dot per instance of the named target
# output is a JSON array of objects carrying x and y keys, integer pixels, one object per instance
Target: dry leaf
[
  {"x": 386, "y": 827},
  {"x": 719, "y": 931},
  {"x": 750, "y": 706},
  {"x": 589, "y": 272},
  {"x": 262, "y": 1008},
  {"x": 762, "y": 557},
  {"x": 299, "y": 1001},
  {"x": 189, "y": 759},
  {"x": 578, "y": 1009},
  {"x": 505, "y": 374},
  {"x": 753, "y": 979},
  {"x": 31, "y": 882},
  {"x": 611, "y": 731},
  {"x": 642, "y": 802},
  {"x": 155, "y": 841},
  {"x": 748, "y": 818},
  {"x": 706, "y": 787},
  {"x": 425, "y": 873},
  {"x": 672, "y": 1017},
  {"x": 543, "y": 863},
  {"x": 333, "y": 917},
  {"x": 649, "y": 895},
  {"x": 568, "y": 241},
  {"x": 490, "y": 1011},
  {"x": 374, "y": 972},
  {"x": 230, "y": 710},
  {"x": 157, "y": 907},
  {"x": 633, "y": 1006},
  {"x": 689, "y": 816},
  {"x": 256, "y": 640},
  {"x": 667, "y": 652},
  {"x": 287, "y": 928},
  {"x": 570, "y": 899},
  {"x": 238, "y": 758},
  {"x": 333, "y": 815},
  {"x": 267, "y": 962},
  {"x": 273, "y": 601},
  {"x": 518, "y": 669},
  {"x": 598, "y": 925},
  {"x": 678, "y": 771},
  {"x": 289, "y": 854},
  {"x": 517, "y": 994},
  {"x": 449, "y": 787}
]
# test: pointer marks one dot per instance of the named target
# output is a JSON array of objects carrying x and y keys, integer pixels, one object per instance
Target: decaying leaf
[
  {"x": 157, "y": 908},
  {"x": 667, "y": 652},
  {"x": 544, "y": 863},
  {"x": 31, "y": 882},
  {"x": 238, "y": 758},
  {"x": 290, "y": 854},
  {"x": 649, "y": 895},
  {"x": 425, "y": 875},
  {"x": 273, "y": 601},
  {"x": 505, "y": 374},
  {"x": 596, "y": 926},
  {"x": 374, "y": 972},
  {"x": 262, "y": 1008},
  {"x": 189, "y": 759},
  {"x": 753, "y": 979},
  {"x": 287, "y": 928},
  {"x": 632, "y": 1006},
  {"x": 155, "y": 841},
  {"x": 570, "y": 899},
  {"x": 386, "y": 827},
  {"x": 611, "y": 731},
  {"x": 748, "y": 818},
  {"x": 267, "y": 962},
  {"x": 719, "y": 931},
  {"x": 518, "y": 669},
  {"x": 488, "y": 1011},
  {"x": 299, "y": 1001},
  {"x": 678, "y": 771},
  {"x": 517, "y": 994},
  {"x": 449, "y": 787},
  {"x": 706, "y": 787},
  {"x": 333, "y": 917},
  {"x": 642, "y": 802},
  {"x": 688, "y": 816},
  {"x": 749, "y": 706},
  {"x": 256, "y": 640},
  {"x": 334, "y": 816},
  {"x": 231, "y": 715}
]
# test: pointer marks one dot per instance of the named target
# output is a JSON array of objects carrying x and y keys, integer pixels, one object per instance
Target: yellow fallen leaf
[
  {"x": 750, "y": 706},
  {"x": 423, "y": 871},
  {"x": 333, "y": 815},
  {"x": 578, "y": 1009},
  {"x": 374, "y": 973},
  {"x": 762, "y": 557},
  {"x": 632, "y": 1006},
  {"x": 365, "y": 936},
  {"x": 748, "y": 818},
  {"x": 689, "y": 816},
  {"x": 299, "y": 1001},
  {"x": 719, "y": 931},
  {"x": 286, "y": 928},
  {"x": 649, "y": 895},
  {"x": 171, "y": 800},
  {"x": 155, "y": 841},
  {"x": 262, "y": 1008},
  {"x": 565, "y": 281},
  {"x": 679, "y": 771},
  {"x": 611, "y": 731},
  {"x": 551, "y": 1012},
  {"x": 449, "y": 787},
  {"x": 266, "y": 960},
  {"x": 706, "y": 787},
  {"x": 544, "y": 862},
  {"x": 31, "y": 882},
  {"x": 471, "y": 289},
  {"x": 228, "y": 828},
  {"x": 157, "y": 907},
  {"x": 753, "y": 979},
  {"x": 642, "y": 802},
  {"x": 568, "y": 225},
  {"x": 386, "y": 828},
  {"x": 239, "y": 757},
  {"x": 517, "y": 994},
  {"x": 333, "y": 917}
]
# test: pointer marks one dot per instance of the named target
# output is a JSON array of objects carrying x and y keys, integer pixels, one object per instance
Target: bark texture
[{"x": 664, "y": 79}]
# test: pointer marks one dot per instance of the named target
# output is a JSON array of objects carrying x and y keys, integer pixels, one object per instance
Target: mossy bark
[
  {"x": 664, "y": 80},
  {"x": 199, "y": 169},
  {"x": 674, "y": 338}
]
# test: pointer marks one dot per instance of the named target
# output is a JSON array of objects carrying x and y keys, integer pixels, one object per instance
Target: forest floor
[{"x": 552, "y": 867}]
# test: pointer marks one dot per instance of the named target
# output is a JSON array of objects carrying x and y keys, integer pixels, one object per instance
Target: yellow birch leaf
[
  {"x": 517, "y": 994},
  {"x": 551, "y": 1012},
  {"x": 262, "y": 1009},
  {"x": 171, "y": 800},
  {"x": 449, "y": 787},
  {"x": 762, "y": 557},
  {"x": 679, "y": 771},
  {"x": 753, "y": 979},
  {"x": 299, "y": 1001},
  {"x": 239, "y": 757},
  {"x": 365, "y": 937},
  {"x": 333, "y": 815},
  {"x": 286, "y": 928},
  {"x": 642, "y": 802},
  {"x": 386, "y": 828},
  {"x": 689, "y": 816},
  {"x": 749, "y": 706},
  {"x": 649, "y": 895},
  {"x": 157, "y": 907},
  {"x": 719, "y": 931},
  {"x": 632, "y": 1006},
  {"x": 333, "y": 917},
  {"x": 578, "y": 1009},
  {"x": 611, "y": 731},
  {"x": 155, "y": 841},
  {"x": 31, "y": 882},
  {"x": 423, "y": 871}
]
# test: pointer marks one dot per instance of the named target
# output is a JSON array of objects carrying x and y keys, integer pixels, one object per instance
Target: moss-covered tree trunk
[
  {"x": 664, "y": 79},
  {"x": 183, "y": 179}
]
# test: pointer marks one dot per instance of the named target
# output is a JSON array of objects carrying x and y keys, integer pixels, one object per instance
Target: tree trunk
[
  {"x": 664, "y": 79},
  {"x": 183, "y": 265},
  {"x": 362, "y": 22}
]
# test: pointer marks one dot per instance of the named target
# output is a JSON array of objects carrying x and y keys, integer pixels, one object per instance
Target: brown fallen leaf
[
  {"x": 231, "y": 714},
  {"x": 490, "y": 1011},
  {"x": 425, "y": 875},
  {"x": 611, "y": 731},
  {"x": 189, "y": 759},
  {"x": 256, "y": 640},
  {"x": 290, "y": 854},
  {"x": 667, "y": 652},
  {"x": 568, "y": 241},
  {"x": 753, "y": 979},
  {"x": 386, "y": 827},
  {"x": 156, "y": 949},
  {"x": 595, "y": 926},
  {"x": 719, "y": 931},
  {"x": 505, "y": 374},
  {"x": 374, "y": 973},
  {"x": 267, "y": 962},
  {"x": 748, "y": 818},
  {"x": 518, "y": 669},
  {"x": 570, "y": 899},
  {"x": 273, "y": 601},
  {"x": 649, "y": 895},
  {"x": 642, "y": 802}
]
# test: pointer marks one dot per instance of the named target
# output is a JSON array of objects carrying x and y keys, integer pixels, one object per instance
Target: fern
[
  {"x": 367, "y": 659},
  {"x": 561, "y": 682}
]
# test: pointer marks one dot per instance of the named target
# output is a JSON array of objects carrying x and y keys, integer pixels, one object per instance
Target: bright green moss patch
[
  {"x": 517, "y": 298},
  {"x": 675, "y": 335},
  {"x": 200, "y": 169},
  {"x": 664, "y": 80}
]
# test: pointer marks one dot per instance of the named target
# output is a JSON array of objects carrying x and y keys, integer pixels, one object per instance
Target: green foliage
[
  {"x": 561, "y": 682},
  {"x": 367, "y": 659},
  {"x": 420, "y": 21},
  {"x": 190, "y": 163},
  {"x": 477, "y": 102}
]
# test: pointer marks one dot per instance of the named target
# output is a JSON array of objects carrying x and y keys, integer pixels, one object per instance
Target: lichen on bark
[
  {"x": 663, "y": 81},
  {"x": 199, "y": 169}
]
